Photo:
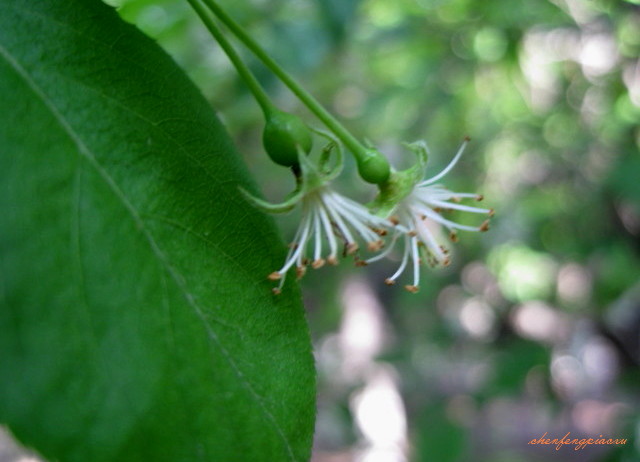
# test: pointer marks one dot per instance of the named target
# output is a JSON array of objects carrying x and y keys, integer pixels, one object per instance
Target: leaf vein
[{"x": 84, "y": 150}]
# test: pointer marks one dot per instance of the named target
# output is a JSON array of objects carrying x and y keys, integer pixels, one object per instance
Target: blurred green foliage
[{"x": 535, "y": 325}]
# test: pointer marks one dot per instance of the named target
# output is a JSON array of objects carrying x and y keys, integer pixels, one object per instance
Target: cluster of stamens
[
  {"x": 419, "y": 213},
  {"x": 415, "y": 220},
  {"x": 338, "y": 220},
  {"x": 327, "y": 215}
]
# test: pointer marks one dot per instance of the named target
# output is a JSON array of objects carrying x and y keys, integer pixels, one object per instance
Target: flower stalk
[
  {"x": 373, "y": 167},
  {"x": 254, "y": 86}
]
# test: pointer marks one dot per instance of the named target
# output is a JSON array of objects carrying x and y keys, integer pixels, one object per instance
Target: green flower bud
[
  {"x": 283, "y": 135},
  {"x": 373, "y": 167}
]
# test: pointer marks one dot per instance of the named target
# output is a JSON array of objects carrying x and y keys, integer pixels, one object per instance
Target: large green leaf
[{"x": 136, "y": 321}]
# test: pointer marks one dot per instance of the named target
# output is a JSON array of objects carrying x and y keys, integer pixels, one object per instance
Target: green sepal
[
  {"x": 396, "y": 188},
  {"x": 282, "y": 207},
  {"x": 420, "y": 149},
  {"x": 400, "y": 184},
  {"x": 328, "y": 172},
  {"x": 310, "y": 178}
]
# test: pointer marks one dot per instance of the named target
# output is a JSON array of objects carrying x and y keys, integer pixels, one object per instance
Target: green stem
[
  {"x": 359, "y": 151},
  {"x": 258, "y": 92}
]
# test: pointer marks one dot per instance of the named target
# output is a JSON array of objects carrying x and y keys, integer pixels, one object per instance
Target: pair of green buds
[{"x": 286, "y": 134}]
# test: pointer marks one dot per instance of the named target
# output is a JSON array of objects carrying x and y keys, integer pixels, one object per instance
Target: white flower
[
  {"x": 419, "y": 214},
  {"x": 328, "y": 218},
  {"x": 331, "y": 217}
]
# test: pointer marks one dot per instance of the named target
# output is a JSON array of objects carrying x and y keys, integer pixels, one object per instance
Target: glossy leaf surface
[{"x": 136, "y": 321}]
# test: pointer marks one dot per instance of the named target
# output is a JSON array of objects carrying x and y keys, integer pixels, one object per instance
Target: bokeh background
[{"x": 535, "y": 327}]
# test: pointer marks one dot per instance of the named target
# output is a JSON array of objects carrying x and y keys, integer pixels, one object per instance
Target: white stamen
[
  {"x": 429, "y": 240},
  {"x": 464, "y": 208},
  {"x": 448, "y": 168},
  {"x": 429, "y": 213},
  {"x": 366, "y": 233},
  {"x": 344, "y": 231},
  {"x": 361, "y": 212},
  {"x": 437, "y": 192},
  {"x": 299, "y": 250},
  {"x": 317, "y": 254},
  {"x": 293, "y": 247},
  {"x": 416, "y": 262},
  {"x": 405, "y": 258},
  {"x": 386, "y": 251},
  {"x": 326, "y": 223}
]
